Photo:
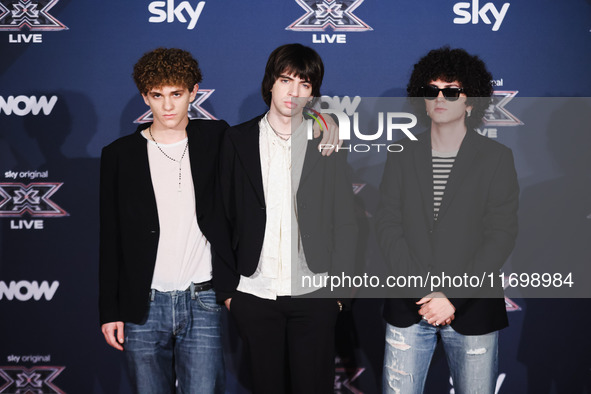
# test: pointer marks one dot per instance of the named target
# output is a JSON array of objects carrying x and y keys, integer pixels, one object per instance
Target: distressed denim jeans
[
  {"x": 179, "y": 343},
  {"x": 472, "y": 359}
]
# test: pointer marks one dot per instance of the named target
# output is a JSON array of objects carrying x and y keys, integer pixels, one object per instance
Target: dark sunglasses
[{"x": 450, "y": 94}]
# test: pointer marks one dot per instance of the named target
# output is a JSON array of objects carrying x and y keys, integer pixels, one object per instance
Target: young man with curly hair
[
  {"x": 159, "y": 231},
  {"x": 448, "y": 205}
]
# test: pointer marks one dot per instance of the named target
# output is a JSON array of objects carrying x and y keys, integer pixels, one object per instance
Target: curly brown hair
[
  {"x": 166, "y": 67},
  {"x": 453, "y": 65}
]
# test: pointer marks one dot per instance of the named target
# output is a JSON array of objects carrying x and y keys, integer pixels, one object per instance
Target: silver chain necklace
[
  {"x": 278, "y": 134},
  {"x": 164, "y": 153}
]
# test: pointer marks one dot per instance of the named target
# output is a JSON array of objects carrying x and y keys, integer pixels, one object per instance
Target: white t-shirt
[{"x": 184, "y": 255}]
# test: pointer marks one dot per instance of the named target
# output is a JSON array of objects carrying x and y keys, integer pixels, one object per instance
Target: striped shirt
[{"x": 442, "y": 165}]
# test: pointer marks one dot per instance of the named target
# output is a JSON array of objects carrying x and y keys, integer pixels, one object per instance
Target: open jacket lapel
[
  {"x": 461, "y": 167},
  {"x": 246, "y": 144},
  {"x": 198, "y": 153},
  {"x": 143, "y": 177},
  {"x": 424, "y": 168}
]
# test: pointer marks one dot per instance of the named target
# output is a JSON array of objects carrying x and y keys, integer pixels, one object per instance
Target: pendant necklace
[{"x": 170, "y": 158}]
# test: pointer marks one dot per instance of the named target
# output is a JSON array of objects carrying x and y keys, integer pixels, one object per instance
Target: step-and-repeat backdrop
[{"x": 66, "y": 91}]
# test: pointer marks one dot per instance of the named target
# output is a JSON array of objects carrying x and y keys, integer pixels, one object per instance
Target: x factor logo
[
  {"x": 357, "y": 187},
  {"x": 17, "y": 14},
  {"x": 17, "y": 198},
  {"x": 337, "y": 14},
  {"x": 195, "y": 110},
  {"x": 497, "y": 114},
  {"x": 510, "y": 305},
  {"x": 36, "y": 380},
  {"x": 344, "y": 378}
]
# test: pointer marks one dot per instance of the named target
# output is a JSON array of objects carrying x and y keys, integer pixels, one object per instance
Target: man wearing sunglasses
[{"x": 448, "y": 206}]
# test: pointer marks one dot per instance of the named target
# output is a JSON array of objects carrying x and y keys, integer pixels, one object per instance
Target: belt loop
[
  {"x": 192, "y": 287},
  {"x": 152, "y": 294}
]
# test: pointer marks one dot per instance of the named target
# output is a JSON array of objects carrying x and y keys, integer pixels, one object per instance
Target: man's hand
[
  {"x": 227, "y": 303},
  {"x": 112, "y": 338},
  {"x": 436, "y": 309},
  {"x": 330, "y": 135}
]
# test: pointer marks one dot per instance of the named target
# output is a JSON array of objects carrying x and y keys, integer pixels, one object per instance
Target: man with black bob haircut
[
  {"x": 161, "y": 224},
  {"x": 291, "y": 215},
  {"x": 448, "y": 204}
]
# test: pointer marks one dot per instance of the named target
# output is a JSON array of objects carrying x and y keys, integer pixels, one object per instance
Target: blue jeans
[
  {"x": 180, "y": 341},
  {"x": 472, "y": 359}
]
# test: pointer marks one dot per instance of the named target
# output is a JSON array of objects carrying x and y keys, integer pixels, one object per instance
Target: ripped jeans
[{"x": 472, "y": 359}]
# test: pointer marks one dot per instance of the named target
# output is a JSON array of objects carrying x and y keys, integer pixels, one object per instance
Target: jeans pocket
[{"x": 207, "y": 301}]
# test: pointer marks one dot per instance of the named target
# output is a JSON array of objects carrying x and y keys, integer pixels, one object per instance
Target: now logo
[
  {"x": 166, "y": 11},
  {"x": 343, "y": 104},
  {"x": 24, "y": 290},
  {"x": 466, "y": 16},
  {"x": 23, "y": 105}
]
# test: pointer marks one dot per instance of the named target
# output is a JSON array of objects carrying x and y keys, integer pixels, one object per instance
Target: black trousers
[{"x": 290, "y": 342}]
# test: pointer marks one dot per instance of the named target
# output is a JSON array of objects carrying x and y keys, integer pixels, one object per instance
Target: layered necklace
[
  {"x": 283, "y": 136},
  {"x": 171, "y": 158}
]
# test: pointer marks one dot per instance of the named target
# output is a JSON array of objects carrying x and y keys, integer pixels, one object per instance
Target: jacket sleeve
[
  {"x": 500, "y": 219},
  {"x": 109, "y": 239},
  {"x": 225, "y": 276},
  {"x": 345, "y": 229},
  {"x": 500, "y": 224}
]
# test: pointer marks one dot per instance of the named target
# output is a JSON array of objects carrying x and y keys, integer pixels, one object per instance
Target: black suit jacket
[
  {"x": 475, "y": 231},
  {"x": 129, "y": 228},
  {"x": 325, "y": 206}
]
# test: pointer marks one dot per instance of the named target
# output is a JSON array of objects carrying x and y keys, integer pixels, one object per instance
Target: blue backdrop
[{"x": 66, "y": 91}]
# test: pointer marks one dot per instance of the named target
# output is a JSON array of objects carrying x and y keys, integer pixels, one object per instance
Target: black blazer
[
  {"x": 129, "y": 228},
  {"x": 325, "y": 205},
  {"x": 475, "y": 231}
]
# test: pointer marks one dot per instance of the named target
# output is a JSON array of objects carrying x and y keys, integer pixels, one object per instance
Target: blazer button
[
  {"x": 306, "y": 236},
  {"x": 263, "y": 208}
]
